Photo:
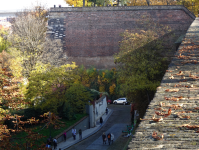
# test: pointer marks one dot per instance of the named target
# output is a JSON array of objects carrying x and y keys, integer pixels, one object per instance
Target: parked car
[
  {"x": 121, "y": 101},
  {"x": 109, "y": 101}
]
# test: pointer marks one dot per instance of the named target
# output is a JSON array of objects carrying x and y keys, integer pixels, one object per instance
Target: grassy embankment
[{"x": 21, "y": 136}]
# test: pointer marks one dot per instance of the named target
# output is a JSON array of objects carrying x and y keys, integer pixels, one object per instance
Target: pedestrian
[
  {"x": 49, "y": 142},
  {"x": 55, "y": 143},
  {"x": 80, "y": 134},
  {"x": 106, "y": 110},
  {"x": 109, "y": 138},
  {"x": 74, "y": 133},
  {"x": 112, "y": 137},
  {"x": 101, "y": 121},
  {"x": 64, "y": 136},
  {"x": 104, "y": 138}
]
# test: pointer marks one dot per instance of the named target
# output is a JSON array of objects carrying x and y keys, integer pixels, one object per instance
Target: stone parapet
[
  {"x": 179, "y": 90},
  {"x": 122, "y": 8}
]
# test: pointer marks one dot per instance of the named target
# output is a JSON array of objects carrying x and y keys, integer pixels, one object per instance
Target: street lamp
[
  {"x": 49, "y": 122},
  {"x": 192, "y": 6}
]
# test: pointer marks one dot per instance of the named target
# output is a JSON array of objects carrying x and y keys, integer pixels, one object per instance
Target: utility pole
[{"x": 83, "y": 3}]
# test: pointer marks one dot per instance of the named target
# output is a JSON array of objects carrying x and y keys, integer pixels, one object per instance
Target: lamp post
[
  {"x": 49, "y": 122},
  {"x": 192, "y": 6}
]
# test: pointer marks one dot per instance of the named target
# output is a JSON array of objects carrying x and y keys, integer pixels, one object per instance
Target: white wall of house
[{"x": 98, "y": 110}]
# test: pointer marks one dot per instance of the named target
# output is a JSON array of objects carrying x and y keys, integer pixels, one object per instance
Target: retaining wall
[{"x": 81, "y": 124}]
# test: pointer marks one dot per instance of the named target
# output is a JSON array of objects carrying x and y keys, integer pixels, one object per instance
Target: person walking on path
[
  {"x": 64, "y": 136},
  {"x": 101, "y": 121},
  {"x": 55, "y": 143},
  {"x": 109, "y": 138},
  {"x": 49, "y": 142},
  {"x": 104, "y": 138},
  {"x": 112, "y": 137},
  {"x": 106, "y": 111},
  {"x": 80, "y": 134},
  {"x": 74, "y": 133}
]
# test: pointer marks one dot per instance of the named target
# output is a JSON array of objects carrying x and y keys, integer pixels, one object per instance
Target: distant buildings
[{"x": 6, "y": 18}]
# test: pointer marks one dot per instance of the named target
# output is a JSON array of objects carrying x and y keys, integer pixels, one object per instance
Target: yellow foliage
[
  {"x": 101, "y": 88},
  {"x": 15, "y": 64},
  {"x": 112, "y": 89},
  {"x": 78, "y": 3}
]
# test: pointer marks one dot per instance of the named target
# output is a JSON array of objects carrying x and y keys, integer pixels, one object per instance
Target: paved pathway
[
  {"x": 97, "y": 144},
  {"x": 116, "y": 123},
  {"x": 85, "y": 134}
]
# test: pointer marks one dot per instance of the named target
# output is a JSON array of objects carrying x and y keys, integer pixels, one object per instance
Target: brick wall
[{"x": 95, "y": 32}]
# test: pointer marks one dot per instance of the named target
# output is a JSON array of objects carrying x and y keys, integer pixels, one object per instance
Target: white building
[{"x": 97, "y": 110}]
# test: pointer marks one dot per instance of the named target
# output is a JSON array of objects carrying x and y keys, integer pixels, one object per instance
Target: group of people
[
  {"x": 74, "y": 133},
  {"x": 49, "y": 142},
  {"x": 109, "y": 136}
]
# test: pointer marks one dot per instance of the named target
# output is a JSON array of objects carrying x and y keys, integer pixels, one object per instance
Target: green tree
[
  {"x": 48, "y": 84},
  {"x": 77, "y": 97},
  {"x": 4, "y": 44},
  {"x": 140, "y": 63}
]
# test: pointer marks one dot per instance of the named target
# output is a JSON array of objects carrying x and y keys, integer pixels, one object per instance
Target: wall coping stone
[{"x": 123, "y": 8}]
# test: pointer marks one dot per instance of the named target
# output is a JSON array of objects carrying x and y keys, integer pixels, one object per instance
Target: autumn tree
[
  {"x": 99, "y": 80},
  {"x": 29, "y": 40},
  {"x": 10, "y": 96},
  {"x": 88, "y": 3},
  {"x": 77, "y": 3}
]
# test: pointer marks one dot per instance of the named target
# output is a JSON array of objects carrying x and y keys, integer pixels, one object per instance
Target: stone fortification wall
[
  {"x": 179, "y": 90},
  {"x": 91, "y": 35}
]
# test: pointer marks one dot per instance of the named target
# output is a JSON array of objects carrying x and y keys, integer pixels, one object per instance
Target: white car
[{"x": 120, "y": 101}]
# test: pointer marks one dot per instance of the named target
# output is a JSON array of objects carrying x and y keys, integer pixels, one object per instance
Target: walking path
[
  {"x": 97, "y": 144},
  {"x": 85, "y": 134}
]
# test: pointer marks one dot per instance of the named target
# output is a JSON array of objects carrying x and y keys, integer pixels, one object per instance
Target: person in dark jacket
[
  {"x": 104, "y": 138},
  {"x": 64, "y": 136},
  {"x": 55, "y": 143},
  {"x": 106, "y": 111},
  {"x": 101, "y": 121},
  {"x": 80, "y": 134},
  {"x": 109, "y": 138}
]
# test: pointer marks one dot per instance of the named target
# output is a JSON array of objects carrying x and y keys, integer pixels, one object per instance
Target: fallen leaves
[
  {"x": 172, "y": 90},
  {"x": 163, "y": 114},
  {"x": 191, "y": 127},
  {"x": 176, "y": 99},
  {"x": 154, "y": 119},
  {"x": 160, "y": 109},
  {"x": 156, "y": 137},
  {"x": 183, "y": 116},
  {"x": 180, "y": 73}
]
